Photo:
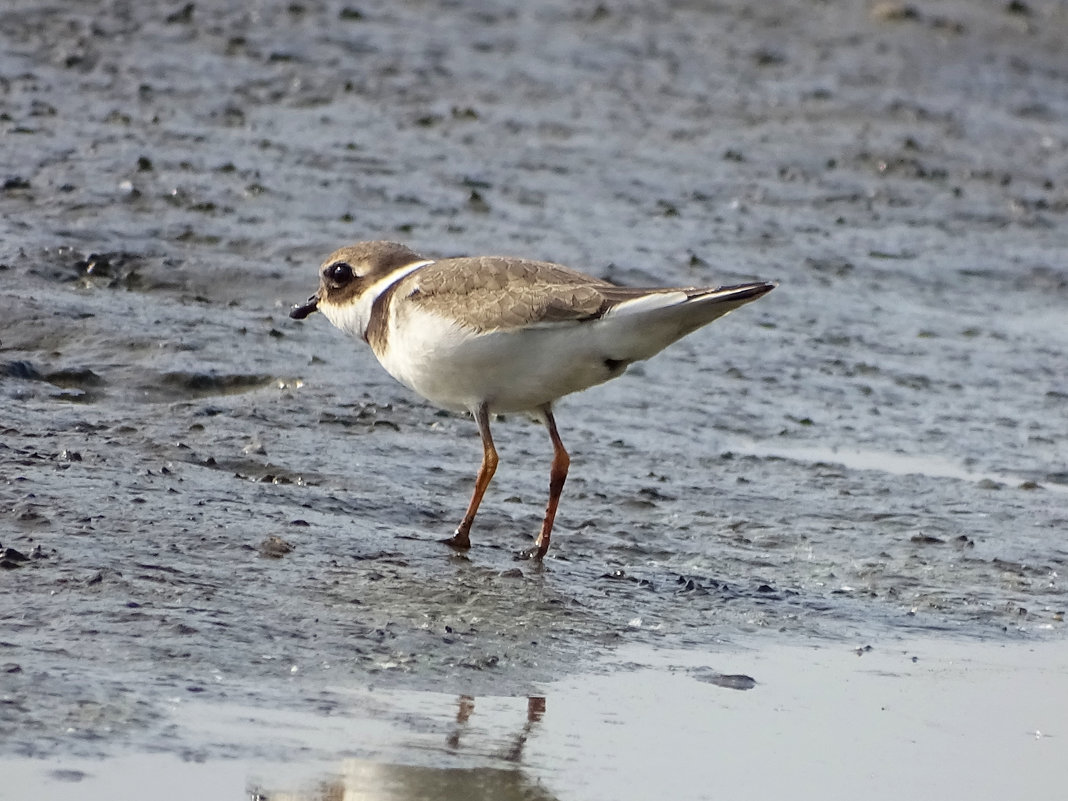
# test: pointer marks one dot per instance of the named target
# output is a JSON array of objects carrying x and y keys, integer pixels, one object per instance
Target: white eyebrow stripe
[{"x": 383, "y": 284}]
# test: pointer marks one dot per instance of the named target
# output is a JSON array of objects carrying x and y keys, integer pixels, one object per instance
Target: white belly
[{"x": 512, "y": 371}]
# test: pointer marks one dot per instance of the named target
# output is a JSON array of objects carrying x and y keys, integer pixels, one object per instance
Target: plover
[{"x": 490, "y": 335}]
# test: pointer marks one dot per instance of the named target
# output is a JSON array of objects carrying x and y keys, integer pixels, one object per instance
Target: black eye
[{"x": 339, "y": 273}]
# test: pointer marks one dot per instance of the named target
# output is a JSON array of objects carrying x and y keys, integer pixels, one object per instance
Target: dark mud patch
[{"x": 181, "y": 385}]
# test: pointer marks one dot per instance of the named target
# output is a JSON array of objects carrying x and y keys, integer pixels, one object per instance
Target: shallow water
[
  {"x": 808, "y": 722},
  {"x": 877, "y": 448}
]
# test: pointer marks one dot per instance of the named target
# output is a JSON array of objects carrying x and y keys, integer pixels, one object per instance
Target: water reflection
[
  {"x": 514, "y": 753},
  {"x": 367, "y": 780}
]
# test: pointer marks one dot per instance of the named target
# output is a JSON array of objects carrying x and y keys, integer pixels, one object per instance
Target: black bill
[{"x": 302, "y": 310}]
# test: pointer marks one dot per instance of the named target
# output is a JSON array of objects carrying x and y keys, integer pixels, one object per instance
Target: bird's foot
[
  {"x": 537, "y": 552},
  {"x": 461, "y": 540}
]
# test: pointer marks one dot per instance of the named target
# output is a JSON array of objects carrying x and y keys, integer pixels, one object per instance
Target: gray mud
[{"x": 875, "y": 449}]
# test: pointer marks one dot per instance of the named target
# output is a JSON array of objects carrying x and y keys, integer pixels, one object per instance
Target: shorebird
[{"x": 493, "y": 334}]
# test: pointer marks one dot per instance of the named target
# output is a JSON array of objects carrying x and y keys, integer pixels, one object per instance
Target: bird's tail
[{"x": 642, "y": 325}]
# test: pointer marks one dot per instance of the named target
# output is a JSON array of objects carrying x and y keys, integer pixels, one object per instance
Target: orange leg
[
  {"x": 462, "y": 537},
  {"x": 557, "y": 476}
]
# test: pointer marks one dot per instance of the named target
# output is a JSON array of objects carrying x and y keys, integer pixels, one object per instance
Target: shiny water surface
[{"x": 808, "y": 722}]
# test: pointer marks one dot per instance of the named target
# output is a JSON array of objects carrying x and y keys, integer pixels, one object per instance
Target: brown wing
[{"x": 494, "y": 293}]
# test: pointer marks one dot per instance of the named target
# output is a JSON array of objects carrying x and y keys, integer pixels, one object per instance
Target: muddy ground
[{"x": 874, "y": 450}]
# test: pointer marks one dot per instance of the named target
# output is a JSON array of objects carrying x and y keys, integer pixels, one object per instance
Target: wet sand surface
[{"x": 208, "y": 506}]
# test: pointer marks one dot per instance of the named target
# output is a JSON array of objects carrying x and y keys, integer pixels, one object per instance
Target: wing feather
[
  {"x": 493, "y": 293},
  {"x": 501, "y": 294}
]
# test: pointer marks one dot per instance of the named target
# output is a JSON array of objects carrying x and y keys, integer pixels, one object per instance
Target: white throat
[{"x": 353, "y": 318}]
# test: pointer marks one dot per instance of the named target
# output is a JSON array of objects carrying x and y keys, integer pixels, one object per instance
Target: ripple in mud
[
  {"x": 182, "y": 385},
  {"x": 120, "y": 270},
  {"x": 78, "y": 384}
]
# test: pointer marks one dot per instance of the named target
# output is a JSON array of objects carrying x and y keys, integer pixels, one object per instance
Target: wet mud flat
[{"x": 207, "y": 505}]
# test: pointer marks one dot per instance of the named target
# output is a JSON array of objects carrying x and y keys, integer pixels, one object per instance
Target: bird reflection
[
  {"x": 365, "y": 780},
  {"x": 514, "y": 753}
]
